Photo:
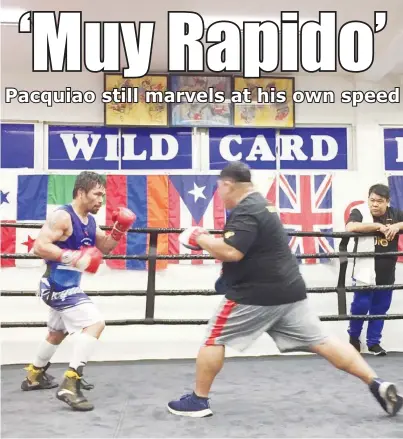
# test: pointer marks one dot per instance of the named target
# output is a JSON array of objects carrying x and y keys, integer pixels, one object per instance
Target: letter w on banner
[
  {"x": 305, "y": 204},
  {"x": 396, "y": 201}
]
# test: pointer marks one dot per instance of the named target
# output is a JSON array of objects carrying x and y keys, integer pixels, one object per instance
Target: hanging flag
[
  {"x": 8, "y": 195},
  {"x": 305, "y": 204},
  {"x": 20, "y": 201},
  {"x": 193, "y": 201},
  {"x": 396, "y": 200},
  {"x": 31, "y": 208},
  {"x": 31, "y": 198},
  {"x": 7, "y": 244},
  {"x": 147, "y": 196},
  {"x": 59, "y": 191},
  {"x": 265, "y": 183},
  {"x": 8, "y": 213}
]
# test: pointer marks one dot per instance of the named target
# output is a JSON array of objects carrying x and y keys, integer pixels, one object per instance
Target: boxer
[
  {"x": 263, "y": 292},
  {"x": 71, "y": 244}
]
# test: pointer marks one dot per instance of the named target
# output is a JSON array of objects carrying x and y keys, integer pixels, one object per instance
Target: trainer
[
  {"x": 376, "y": 216},
  {"x": 265, "y": 293},
  {"x": 71, "y": 243}
]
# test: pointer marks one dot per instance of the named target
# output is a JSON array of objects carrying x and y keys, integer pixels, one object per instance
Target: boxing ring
[{"x": 286, "y": 395}]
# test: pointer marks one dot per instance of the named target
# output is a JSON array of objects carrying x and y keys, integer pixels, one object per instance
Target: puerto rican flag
[
  {"x": 193, "y": 201},
  {"x": 305, "y": 204}
]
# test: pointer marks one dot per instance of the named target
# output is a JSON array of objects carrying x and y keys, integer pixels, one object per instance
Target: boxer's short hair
[
  {"x": 238, "y": 172},
  {"x": 381, "y": 190},
  {"x": 86, "y": 181}
]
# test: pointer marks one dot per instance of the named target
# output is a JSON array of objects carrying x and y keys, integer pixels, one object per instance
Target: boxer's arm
[
  {"x": 56, "y": 226},
  {"x": 104, "y": 242},
  {"x": 123, "y": 219}
]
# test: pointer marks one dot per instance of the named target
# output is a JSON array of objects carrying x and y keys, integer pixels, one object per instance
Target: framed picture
[
  {"x": 258, "y": 114},
  {"x": 138, "y": 112},
  {"x": 201, "y": 114}
]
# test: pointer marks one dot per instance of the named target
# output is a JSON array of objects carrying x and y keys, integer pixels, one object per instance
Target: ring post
[
  {"x": 341, "y": 283},
  {"x": 152, "y": 271}
]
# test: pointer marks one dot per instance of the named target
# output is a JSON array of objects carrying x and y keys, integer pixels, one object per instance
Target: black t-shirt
[
  {"x": 384, "y": 266},
  {"x": 268, "y": 274}
]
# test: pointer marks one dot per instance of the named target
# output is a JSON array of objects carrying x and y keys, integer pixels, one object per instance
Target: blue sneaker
[
  {"x": 387, "y": 396},
  {"x": 190, "y": 405}
]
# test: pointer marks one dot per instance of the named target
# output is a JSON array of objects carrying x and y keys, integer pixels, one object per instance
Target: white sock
[
  {"x": 45, "y": 353},
  {"x": 84, "y": 345}
]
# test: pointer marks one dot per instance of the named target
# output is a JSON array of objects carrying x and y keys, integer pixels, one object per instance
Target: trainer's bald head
[{"x": 235, "y": 182}]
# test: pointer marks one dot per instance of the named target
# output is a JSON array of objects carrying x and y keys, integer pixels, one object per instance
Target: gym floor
[{"x": 284, "y": 396}]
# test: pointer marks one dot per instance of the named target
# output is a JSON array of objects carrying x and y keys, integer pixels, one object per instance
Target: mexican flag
[{"x": 30, "y": 198}]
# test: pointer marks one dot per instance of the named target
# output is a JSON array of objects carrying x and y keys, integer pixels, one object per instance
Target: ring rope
[
  {"x": 173, "y": 293},
  {"x": 212, "y": 231},
  {"x": 172, "y": 322},
  {"x": 151, "y": 292},
  {"x": 191, "y": 256}
]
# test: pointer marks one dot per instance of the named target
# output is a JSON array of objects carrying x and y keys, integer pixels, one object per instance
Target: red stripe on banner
[
  {"x": 116, "y": 195},
  {"x": 272, "y": 194},
  {"x": 219, "y": 215},
  {"x": 157, "y": 206},
  {"x": 220, "y": 322},
  {"x": 324, "y": 190},
  {"x": 350, "y": 207},
  {"x": 197, "y": 252},
  {"x": 174, "y": 221},
  {"x": 7, "y": 244}
]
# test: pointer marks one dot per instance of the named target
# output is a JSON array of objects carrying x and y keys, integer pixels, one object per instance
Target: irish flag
[{"x": 30, "y": 198}]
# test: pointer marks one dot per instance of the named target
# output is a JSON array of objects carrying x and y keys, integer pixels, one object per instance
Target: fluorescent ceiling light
[{"x": 11, "y": 15}]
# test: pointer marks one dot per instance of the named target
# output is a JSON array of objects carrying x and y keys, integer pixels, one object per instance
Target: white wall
[{"x": 153, "y": 342}]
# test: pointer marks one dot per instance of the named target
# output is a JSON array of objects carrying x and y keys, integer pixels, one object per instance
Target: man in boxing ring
[
  {"x": 71, "y": 243},
  {"x": 264, "y": 292}
]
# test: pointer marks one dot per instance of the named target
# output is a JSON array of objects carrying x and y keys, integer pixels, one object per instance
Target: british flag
[{"x": 305, "y": 204}]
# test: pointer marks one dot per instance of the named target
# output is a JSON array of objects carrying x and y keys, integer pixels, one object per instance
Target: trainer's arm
[
  {"x": 219, "y": 249},
  {"x": 56, "y": 225},
  {"x": 104, "y": 242},
  {"x": 238, "y": 237}
]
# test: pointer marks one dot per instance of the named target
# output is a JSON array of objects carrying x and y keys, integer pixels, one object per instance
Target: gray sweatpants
[{"x": 293, "y": 327}]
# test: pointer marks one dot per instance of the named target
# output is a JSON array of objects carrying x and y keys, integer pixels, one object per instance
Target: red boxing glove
[
  {"x": 188, "y": 238},
  {"x": 123, "y": 219},
  {"x": 86, "y": 259}
]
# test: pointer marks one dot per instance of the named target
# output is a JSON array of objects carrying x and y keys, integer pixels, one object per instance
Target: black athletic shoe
[
  {"x": 38, "y": 379},
  {"x": 356, "y": 343},
  {"x": 387, "y": 396},
  {"x": 377, "y": 349},
  {"x": 70, "y": 391}
]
